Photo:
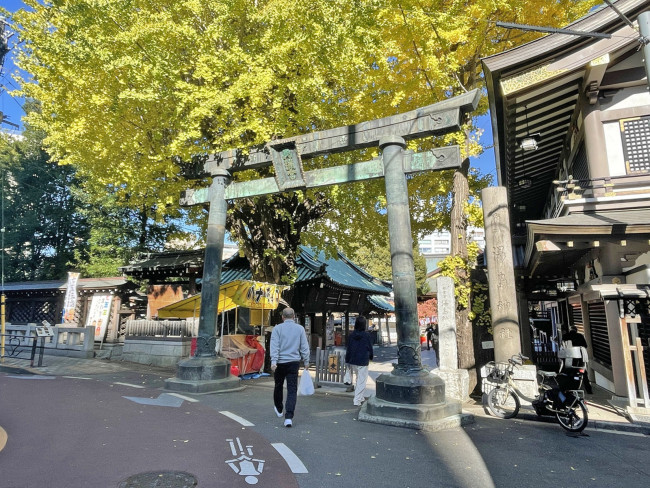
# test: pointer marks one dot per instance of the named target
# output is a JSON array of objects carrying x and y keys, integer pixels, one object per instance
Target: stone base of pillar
[
  {"x": 203, "y": 375},
  {"x": 413, "y": 401},
  {"x": 638, "y": 415},
  {"x": 456, "y": 383}
]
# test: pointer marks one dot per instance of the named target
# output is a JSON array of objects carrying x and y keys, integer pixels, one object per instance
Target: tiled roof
[
  {"x": 339, "y": 270},
  {"x": 313, "y": 265},
  {"x": 83, "y": 283},
  {"x": 167, "y": 260},
  {"x": 381, "y": 303}
]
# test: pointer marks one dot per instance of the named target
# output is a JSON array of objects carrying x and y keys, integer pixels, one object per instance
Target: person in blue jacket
[{"x": 359, "y": 354}]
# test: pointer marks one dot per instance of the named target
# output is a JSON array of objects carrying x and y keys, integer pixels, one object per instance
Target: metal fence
[{"x": 19, "y": 346}]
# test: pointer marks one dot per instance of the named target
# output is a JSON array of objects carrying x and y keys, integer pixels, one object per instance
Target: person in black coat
[
  {"x": 358, "y": 354},
  {"x": 429, "y": 332}
]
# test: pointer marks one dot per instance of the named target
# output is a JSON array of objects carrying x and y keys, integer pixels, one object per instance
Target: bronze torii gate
[{"x": 408, "y": 383}]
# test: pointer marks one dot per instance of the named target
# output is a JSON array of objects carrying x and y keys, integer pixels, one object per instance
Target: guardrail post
[
  {"x": 40, "y": 352},
  {"x": 89, "y": 338},
  {"x": 31, "y": 359}
]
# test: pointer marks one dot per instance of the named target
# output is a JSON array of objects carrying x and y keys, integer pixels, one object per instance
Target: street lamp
[{"x": 529, "y": 143}]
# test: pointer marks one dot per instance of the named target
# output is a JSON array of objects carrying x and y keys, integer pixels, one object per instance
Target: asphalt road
[{"x": 103, "y": 430}]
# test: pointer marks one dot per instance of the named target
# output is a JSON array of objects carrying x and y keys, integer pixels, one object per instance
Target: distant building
[{"x": 437, "y": 246}]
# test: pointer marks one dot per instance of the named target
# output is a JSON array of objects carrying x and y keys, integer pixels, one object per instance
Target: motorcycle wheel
[
  {"x": 575, "y": 418},
  {"x": 503, "y": 403}
]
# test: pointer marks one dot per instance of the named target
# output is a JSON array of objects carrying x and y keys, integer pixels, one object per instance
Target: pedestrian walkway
[{"x": 602, "y": 413}]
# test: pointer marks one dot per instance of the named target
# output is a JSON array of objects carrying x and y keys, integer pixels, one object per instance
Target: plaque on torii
[{"x": 286, "y": 156}]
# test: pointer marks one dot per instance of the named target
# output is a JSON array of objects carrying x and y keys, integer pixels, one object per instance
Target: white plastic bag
[
  {"x": 306, "y": 385},
  {"x": 347, "y": 379}
]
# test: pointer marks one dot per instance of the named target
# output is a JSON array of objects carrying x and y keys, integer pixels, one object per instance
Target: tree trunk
[
  {"x": 465, "y": 338},
  {"x": 268, "y": 231}
]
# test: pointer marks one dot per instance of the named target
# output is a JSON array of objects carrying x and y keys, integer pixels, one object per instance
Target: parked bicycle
[{"x": 560, "y": 394}]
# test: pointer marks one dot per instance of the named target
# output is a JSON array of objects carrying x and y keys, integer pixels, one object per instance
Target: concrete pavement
[
  {"x": 602, "y": 414},
  {"x": 101, "y": 423}
]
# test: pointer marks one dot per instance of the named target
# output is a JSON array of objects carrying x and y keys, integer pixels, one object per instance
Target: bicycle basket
[{"x": 496, "y": 372}]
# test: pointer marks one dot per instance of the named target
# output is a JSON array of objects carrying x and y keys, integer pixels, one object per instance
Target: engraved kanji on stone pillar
[{"x": 501, "y": 278}]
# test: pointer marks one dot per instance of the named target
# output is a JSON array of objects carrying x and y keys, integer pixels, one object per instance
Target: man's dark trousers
[{"x": 290, "y": 372}]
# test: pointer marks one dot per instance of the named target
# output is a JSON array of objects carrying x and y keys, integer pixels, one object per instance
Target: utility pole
[{"x": 4, "y": 49}]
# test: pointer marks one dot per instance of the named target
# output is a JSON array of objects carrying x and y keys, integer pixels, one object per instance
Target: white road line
[
  {"x": 3, "y": 438},
  {"x": 334, "y": 413},
  {"x": 237, "y": 418},
  {"x": 77, "y": 377},
  {"x": 187, "y": 399},
  {"x": 128, "y": 384},
  {"x": 31, "y": 377},
  {"x": 293, "y": 461}
]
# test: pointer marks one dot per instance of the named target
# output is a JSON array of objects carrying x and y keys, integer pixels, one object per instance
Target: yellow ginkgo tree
[{"x": 132, "y": 90}]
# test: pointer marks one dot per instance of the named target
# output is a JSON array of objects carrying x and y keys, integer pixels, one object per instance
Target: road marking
[
  {"x": 3, "y": 438},
  {"x": 294, "y": 463},
  {"x": 163, "y": 400},
  {"x": 128, "y": 384},
  {"x": 245, "y": 464},
  {"x": 187, "y": 399},
  {"x": 31, "y": 377},
  {"x": 77, "y": 377},
  {"x": 237, "y": 418},
  {"x": 333, "y": 413}
]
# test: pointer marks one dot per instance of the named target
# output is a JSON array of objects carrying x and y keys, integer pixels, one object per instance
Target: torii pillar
[
  {"x": 409, "y": 396},
  {"x": 205, "y": 371}
]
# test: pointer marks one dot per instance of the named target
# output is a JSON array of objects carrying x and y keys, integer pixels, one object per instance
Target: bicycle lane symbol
[{"x": 244, "y": 464}]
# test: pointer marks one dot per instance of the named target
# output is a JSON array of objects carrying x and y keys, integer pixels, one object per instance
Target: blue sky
[
  {"x": 12, "y": 107},
  {"x": 9, "y": 106}
]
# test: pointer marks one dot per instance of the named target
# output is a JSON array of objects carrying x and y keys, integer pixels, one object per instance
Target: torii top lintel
[{"x": 439, "y": 118}]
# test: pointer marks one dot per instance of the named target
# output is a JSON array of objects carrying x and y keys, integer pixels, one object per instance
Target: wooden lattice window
[
  {"x": 576, "y": 317},
  {"x": 580, "y": 167},
  {"x": 21, "y": 312},
  {"x": 33, "y": 311},
  {"x": 599, "y": 333},
  {"x": 635, "y": 134},
  {"x": 639, "y": 308}
]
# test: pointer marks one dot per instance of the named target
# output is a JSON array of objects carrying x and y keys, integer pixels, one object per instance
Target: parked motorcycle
[{"x": 560, "y": 394}]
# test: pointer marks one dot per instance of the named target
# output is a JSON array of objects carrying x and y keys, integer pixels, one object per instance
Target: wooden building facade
[{"x": 571, "y": 127}]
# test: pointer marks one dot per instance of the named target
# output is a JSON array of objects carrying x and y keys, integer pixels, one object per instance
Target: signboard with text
[
  {"x": 100, "y": 310},
  {"x": 70, "y": 302}
]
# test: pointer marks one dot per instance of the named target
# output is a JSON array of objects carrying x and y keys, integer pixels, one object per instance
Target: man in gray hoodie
[{"x": 288, "y": 347}]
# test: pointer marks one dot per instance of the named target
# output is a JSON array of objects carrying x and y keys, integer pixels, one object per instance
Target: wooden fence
[
  {"x": 162, "y": 328},
  {"x": 330, "y": 367}
]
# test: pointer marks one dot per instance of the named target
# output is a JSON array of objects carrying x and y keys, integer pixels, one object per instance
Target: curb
[
  {"x": 618, "y": 426},
  {"x": 624, "y": 426},
  {"x": 14, "y": 370}
]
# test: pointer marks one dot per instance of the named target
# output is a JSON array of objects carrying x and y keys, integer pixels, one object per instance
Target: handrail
[{"x": 16, "y": 347}]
